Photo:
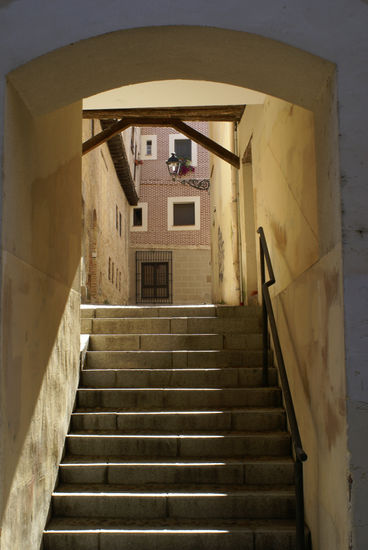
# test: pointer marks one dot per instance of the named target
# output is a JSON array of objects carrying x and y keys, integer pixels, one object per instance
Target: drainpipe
[{"x": 240, "y": 263}]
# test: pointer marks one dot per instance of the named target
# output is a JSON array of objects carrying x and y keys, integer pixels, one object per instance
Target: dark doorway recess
[{"x": 153, "y": 277}]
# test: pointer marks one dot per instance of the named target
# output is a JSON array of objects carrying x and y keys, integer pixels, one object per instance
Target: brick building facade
[
  {"x": 170, "y": 227},
  {"x": 105, "y": 220}
]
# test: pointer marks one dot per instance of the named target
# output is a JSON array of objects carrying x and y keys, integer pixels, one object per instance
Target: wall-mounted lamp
[
  {"x": 173, "y": 166},
  {"x": 176, "y": 167}
]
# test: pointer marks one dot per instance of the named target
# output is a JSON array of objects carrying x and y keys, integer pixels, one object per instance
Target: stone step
[
  {"x": 168, "y": 311},
  {"x": 111, "y": 312},
  {"x": 87, "y": 312},
  {"x": 239, "y": 311},
  {"x": 177, "y": 398},
  {"x": 274, "y": 471},
  {"x": 180, "y": 378},
  {"x": 114, "y": 534},
  {"x": 146, "y": 342},
  {"x": 172, "y": 359},
  {"x": 232, "y": 444},
  {"x": 174, "y": 441},
  {"x": 115, "y": 501},
  {"x": 173, "y": 325},
  {"x": 181, "y": 422}
]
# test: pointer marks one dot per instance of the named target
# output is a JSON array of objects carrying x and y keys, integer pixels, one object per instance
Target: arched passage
[
  {"x": 163, "y": 53},
  {"x": 41, "y": 219}
]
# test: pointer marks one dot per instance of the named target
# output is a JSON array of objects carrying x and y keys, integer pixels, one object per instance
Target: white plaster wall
[{"x": 335, "y": 30}]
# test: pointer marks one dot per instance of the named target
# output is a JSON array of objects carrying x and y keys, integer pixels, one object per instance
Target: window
[
  {"x": 109, "y": 268},
  {"x": 183, "y": 213},
  {"x": 120, "y": 223},
  {"x": 149, "y": 147},
  {"x": 138, "y": 217},
  {"x": 112, "y": 272},
  {"x": 183, "y": 148}
]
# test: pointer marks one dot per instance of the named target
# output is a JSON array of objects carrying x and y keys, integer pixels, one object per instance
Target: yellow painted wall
[
  {"x": 225, "y": 265},
  {"x": 284, "y": 172},
  {"x": 291, "y": 205},
  {"x": 40, "y": 314},
  {"x": 247, "y": 235}
]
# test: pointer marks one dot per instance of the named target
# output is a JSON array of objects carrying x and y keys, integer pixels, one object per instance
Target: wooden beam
[
  {"x": 102, "y": 137},
  {"x": 230, "y": 113},
  {"x": 178, "y": 125},
  {"x": 207, "y": 143},
  {"x": 119, "y": 127}
]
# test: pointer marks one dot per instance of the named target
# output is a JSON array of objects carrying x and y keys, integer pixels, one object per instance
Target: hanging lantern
[
  {"x": 173, "y": 166},
  {"x": 176, "y": 166}
]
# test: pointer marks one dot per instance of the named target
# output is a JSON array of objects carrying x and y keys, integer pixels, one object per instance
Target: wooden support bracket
[
  {"x": 206, "y": 142},
  {"x": 105, "y": 135},
  {"x": 177, "y": 124}
]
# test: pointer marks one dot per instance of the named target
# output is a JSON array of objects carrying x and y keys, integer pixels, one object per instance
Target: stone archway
[
  {"x": 64, "y": 76},
  {"x": 41, "y": 214}
]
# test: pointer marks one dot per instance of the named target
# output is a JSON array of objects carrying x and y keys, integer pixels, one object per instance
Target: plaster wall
[
  {"x": 246, "y": 218},
  {"x": 40, "y": 311},
  {"x": 224, "y": 226},
  {"x": 284, "y": 183},
  {"x": 192, "y": 276},
  {"x": 287, "y": 51},
  {"x": 307, "y": 298},
  {"x": 173, "y": 93},
  {"x": 105, "y": 232}
]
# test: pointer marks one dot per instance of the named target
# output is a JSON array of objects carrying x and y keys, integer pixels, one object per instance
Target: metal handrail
[{"x": 269, "y": 319}]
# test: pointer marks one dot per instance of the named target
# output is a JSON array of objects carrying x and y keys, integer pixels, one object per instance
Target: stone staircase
[{"x": 174, "y": 443}]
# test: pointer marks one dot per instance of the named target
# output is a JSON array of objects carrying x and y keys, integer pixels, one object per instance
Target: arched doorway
[{"x": 42, "y": 223}]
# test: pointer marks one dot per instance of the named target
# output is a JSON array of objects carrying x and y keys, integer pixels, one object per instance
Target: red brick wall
[
  {"x": 156, "y": 187},
  {"x": 156, "y": 195},
  {"x": 156, "y": 170}
]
